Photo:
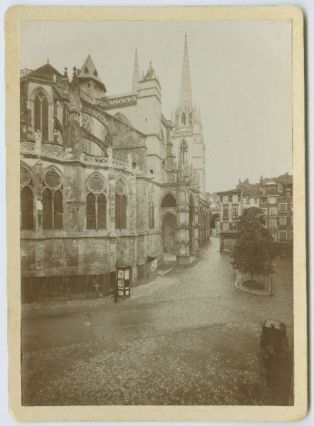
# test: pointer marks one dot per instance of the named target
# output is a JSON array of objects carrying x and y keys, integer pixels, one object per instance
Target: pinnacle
[{"x": 136, "y": 73}]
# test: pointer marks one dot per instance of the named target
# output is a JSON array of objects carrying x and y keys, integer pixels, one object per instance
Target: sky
[{"x": 240, "y": 73}]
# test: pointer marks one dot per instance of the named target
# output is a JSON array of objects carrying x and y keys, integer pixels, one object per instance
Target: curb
[{"x": 240, "y": 287}]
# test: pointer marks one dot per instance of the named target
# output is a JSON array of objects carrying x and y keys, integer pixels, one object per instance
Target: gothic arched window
[
  {"x": 91, "y": 211},
  {"x": 27, "y": 220},
  {"x": 183, "y": 118},
  {"x": 96, "y": 203},
  {"x": 52, "y": 201},
  {"x": 47, "y": 209},
  {"x": 41, "y": 115},
  {"x": 58, "y": 209},
  {"x": 121, "y": 204},
  {"x": 101, "y": 211},
  {"x": 96, "y": 209}
]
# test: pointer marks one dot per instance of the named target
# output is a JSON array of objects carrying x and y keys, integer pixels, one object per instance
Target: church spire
[
  {"x": 185, "y": 90},
  {"x": 136, "y": 73}
]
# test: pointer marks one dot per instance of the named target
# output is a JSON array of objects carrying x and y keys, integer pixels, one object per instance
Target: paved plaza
[{"x": 189, "y": 337}]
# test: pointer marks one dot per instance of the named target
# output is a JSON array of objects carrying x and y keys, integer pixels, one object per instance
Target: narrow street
[{"x": 187, "y": 338}]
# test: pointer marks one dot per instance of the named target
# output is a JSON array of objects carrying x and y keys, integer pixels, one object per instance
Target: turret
[
  {"x": 89, "y": 80},
  {"x": 149, "y": 101}
]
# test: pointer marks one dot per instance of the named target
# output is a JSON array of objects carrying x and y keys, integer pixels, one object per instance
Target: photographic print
[{"x": 158, "y": 226}]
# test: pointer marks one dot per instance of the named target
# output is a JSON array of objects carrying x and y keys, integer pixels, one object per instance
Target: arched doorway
[{"x": 168, "y": 233}]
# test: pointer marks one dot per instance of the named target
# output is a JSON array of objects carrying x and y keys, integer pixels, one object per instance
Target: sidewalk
[{"x": 55, "y": 308}]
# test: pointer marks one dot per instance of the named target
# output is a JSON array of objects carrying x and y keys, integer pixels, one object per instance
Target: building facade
[
  {"x": 107, "y": 179},
  {"x": 275, "y": 199}
]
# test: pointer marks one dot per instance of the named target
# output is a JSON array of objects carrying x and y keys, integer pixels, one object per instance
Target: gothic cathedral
[{"x": 107, "y": 178}]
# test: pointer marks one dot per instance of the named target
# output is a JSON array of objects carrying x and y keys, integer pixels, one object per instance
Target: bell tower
[{"x": 188, "y": 126}]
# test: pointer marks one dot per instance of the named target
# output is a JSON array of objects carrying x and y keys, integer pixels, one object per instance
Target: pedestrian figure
[{"x": 115, "y": 293}]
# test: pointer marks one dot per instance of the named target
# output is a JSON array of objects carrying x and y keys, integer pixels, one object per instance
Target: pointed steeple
[
  {"x": 185, "y": 96},
  {"x": 185, "y": 113},
  {"x": 136, "y": 73}
]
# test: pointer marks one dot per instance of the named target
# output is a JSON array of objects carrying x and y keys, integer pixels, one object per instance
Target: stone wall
[{"x": 65, "y": 256}]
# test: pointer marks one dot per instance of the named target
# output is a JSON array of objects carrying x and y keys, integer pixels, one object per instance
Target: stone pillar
[
  {"x": 38, "y": 171},
  {"x": 132, "y": 225},
  {"x": 75, "y": 199},
  {"x": 111, "y": 206},
  {"x": 183, "y": 249},
  {"x": 112, "y": 254},
  {"x": 29, "y": 128},
  {"x": 195, "y": 226},
  {"x": 111, "y": 223},
  {"x": 132, "y": 212}
]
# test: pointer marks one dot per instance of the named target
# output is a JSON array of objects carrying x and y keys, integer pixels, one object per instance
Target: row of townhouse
[{"x": 275, "y": 199}]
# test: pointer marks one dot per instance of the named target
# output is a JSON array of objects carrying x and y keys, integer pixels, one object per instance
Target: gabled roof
[
  {"x": 44, "y": 71},
  {"x": 89, "y": 71}
]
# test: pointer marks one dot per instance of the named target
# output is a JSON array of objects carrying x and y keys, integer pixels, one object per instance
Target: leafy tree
[{"x": 253, "y": 250}]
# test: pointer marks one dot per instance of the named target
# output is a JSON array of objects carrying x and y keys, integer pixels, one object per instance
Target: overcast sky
[{"x": 240, "y": 71}]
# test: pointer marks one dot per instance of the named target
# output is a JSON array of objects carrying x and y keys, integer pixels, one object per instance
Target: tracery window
[
  {"x": 96, "y": 203},
  {"x": 184, "y": 118},
  {"x": 52, "y": 201},
  {"x": 41, "y": 115},
  {"x": 27, "y": 200},
  {"x": 121, "y": 205}
]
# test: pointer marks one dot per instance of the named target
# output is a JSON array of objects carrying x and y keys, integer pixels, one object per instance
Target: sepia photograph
[{"x": 157, "y": 213}]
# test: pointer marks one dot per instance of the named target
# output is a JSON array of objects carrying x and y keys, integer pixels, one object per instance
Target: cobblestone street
[{"x": 187, "y": 338}]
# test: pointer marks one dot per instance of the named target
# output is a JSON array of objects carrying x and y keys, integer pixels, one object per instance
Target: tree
[{"x": 253, "y": 250}]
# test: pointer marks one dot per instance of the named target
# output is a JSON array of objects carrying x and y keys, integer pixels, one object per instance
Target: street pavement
[{"x": 186, "y": 338}]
